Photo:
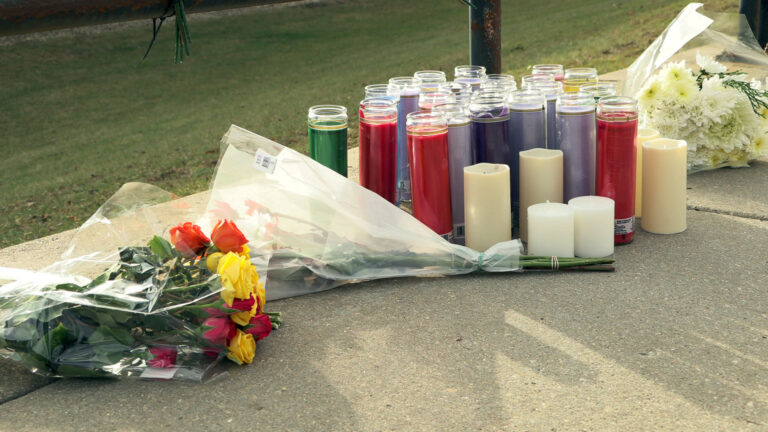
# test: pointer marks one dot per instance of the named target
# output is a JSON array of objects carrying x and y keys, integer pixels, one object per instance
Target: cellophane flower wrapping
[
  {"x": 718, "y": 121},
  {"x": 110, "y": 308},
  {"x": 313, "y": 229}
]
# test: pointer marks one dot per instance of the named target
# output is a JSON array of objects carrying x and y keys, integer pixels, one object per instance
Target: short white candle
[
  {"x": 541, "y": 180},
  {"x": 643, "y": 135},
  {"x": 593, "y": 226},
  {"x": 487, "y": 205},
  {"x": 550, "y": 230},
  {"x": 664, "y": 186}
]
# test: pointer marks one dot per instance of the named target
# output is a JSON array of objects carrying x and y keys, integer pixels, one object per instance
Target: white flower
[
  {"x": 709, "y": 64},
  {"x": 674, "y": 72}
]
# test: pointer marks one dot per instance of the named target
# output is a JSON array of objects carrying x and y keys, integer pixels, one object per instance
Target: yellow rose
[
  {"x": 242, "y": 348},
  {"x": 212, "y": 261},
  {"x": 260, "y": 295},
  {"x": 246, "y": 253},
  {"x": 231, "y": 268}
]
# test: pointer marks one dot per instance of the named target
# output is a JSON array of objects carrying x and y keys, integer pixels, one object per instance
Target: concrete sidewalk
[{"x": 676, "y": 339}]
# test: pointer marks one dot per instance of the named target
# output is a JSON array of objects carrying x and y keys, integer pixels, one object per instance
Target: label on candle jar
[{"x": 625, "y": 226}]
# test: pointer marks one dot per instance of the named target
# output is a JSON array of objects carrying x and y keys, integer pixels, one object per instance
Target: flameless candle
[
  {"x": 593, "y": 226},
  {"x": 459, "y": 156},
  {"x": 643, "y": 135},
  {"x": 541, "y": 180},
  {"x": 430, "y": 178},
  {"x": 575, "y": 77},
  {"x": 487, "y": 209},
  {"x": 408, "y": 89},
  {"x": 576, "y": 138},
  {"x": 551, "y": 90},
  {"x": 616, "y": 135},
  {"x": 550, "y": 230},
  {"x": 664, "y": 186},
  {"x": 549, "y": 69},
  {"x": 527, "y": 130},
  {"x": 472, "y": 75},
  {"x": 378, "y": 147},
  {"x": 327, "y": 133}
]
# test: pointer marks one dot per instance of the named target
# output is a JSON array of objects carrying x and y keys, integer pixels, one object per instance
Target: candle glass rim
[
  {"x": 422, "y": 74},
  {"x": 527, "y": 97},
  {"x": 469, "y": 70},
  {"x": 427, "y": 123},
  {"x": 456, "y": 114},
  {"x": 575, "y": 100},
  {"x": 580, "y": 72},
  {"x": 328, "y": 113},
  {"x": 548, "y": 66},
  {"x": 526, "y": 79},
  {"x": 617, "y": 108},
  {"x": 378, "y": 110},
  {"x": 381, "y": 90},
  {"x": 403, "y": 83}
]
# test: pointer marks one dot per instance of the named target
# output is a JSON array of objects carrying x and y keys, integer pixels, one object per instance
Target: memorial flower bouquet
[
  {"x": 722, "y": 116},
  {"x": 168, "y": 309}
]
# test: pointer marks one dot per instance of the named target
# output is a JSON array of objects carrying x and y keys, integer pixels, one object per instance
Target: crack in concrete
[
  {"x": 24, "y": 393},
  {"x": 735, "y": 213}
]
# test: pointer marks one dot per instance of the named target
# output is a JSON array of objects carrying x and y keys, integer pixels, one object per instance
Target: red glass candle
[
  {"x": 378, "y": 147},
  {"x": 616, "y": 156},
  {"x": 430, "y": 181}
]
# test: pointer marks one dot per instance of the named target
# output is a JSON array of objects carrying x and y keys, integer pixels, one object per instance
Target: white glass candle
[
  {"x": 593, "y": 226},
  {"x": 550, "y": 230},
  {"x": 487, "y": 205},
  {"x": 664, "y": 186},
  {"x": 541, "y": 180},
  {"x": 643, "y": 135}
]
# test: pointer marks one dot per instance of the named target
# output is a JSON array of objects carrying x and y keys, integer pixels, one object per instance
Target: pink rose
[
  {"x": 165, "y": 357},
  {"x": 222, "y": 329},
  {"x": 259, "y": 326}
]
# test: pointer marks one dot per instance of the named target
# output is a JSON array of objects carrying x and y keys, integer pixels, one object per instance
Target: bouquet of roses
[
  {"x": 722, "y": 116},
  {"x": 169, "y": 309}
]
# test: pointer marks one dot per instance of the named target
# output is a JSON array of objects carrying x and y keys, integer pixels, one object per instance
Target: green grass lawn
[{"x": 83, "y": 114}]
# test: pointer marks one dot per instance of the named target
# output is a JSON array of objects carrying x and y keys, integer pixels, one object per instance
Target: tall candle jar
[
  {"x": 551, "y": 90},
  {"x": 616, "y": 160},
  {"x": 575, "y": 77},
  {"x": 459, "y": 156},
  {"x": 379, "y": 91},
  {"x": 430, "y": 79},
  {"x": 327, "y": 131},
  {"x": 470, "y": 74},
  {"x": 428, "y": 99},
  {"x": 555, "y": 70},
  {"x": 527, "y": 130},
  {"x": 526, "y": 80},
  {"x": 378, "y": 146},
  {"x": 430, "y": 178},
  {"x": 408, "y": 89},
  {"x": 576, "y": 135},
  {"x": 499, "y": 82},
  {"x": 462, "y": 92},
  {"x": 600, "y": 90}
]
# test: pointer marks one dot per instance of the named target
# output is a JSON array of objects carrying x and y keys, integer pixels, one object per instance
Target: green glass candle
[{"x": 328, "y": 136}]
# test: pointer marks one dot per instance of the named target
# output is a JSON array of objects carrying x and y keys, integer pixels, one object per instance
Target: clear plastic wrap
[{"x": 313, "y": 229}]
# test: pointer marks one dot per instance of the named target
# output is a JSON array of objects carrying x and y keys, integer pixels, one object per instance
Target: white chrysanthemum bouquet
[{"x": 723, "y": 117}]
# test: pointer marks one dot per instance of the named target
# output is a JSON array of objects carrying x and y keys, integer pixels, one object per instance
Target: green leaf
[
  {"x": 161, "y": 247},
  {"x": 105, "y": 334},
  {"x": 54, "y": 342}
]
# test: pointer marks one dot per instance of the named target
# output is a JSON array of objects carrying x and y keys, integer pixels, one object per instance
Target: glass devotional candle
[
  {"x": 408, "y": 89},
  {"x": 551, "y": 90},
  {"x": 378, "y": 147},
  {"x": 575, "y": 77},
  {"x": 430, "y": 79},
  {"x": 428, "y": 99},
  {"x": 489, "y": 121},
  {"x": 527, "y": 130},
  {"x": 576, "y": 134},
  {"x": 462, "y": 92},
  {"x": 616, "y": 164},
  {"x": 555, "y": 70},
  {"x": 472, "y": 75},
  {"x": 459, "y": 156},
  {"x": 327, "y": 130},
  {"x": 430, "y": 178},
  {"x": 600, "y": 90}
]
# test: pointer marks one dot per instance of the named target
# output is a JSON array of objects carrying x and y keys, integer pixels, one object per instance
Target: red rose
[
  {"x": 188, "y": 239},
  {"x": 222, "y": 329},
  {"x": 227, "y": 237},
  {"x": 244, "y": 305},
  {"x": 259, "y": 327},
  {"x": 165, "y": 357}
]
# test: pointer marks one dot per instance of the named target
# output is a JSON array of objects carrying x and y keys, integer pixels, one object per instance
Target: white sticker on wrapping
[
  {"x": 265, "y": 162},
  {"x": 159, "y": 373}
]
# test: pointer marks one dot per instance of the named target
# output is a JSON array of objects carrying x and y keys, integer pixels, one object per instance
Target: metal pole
[{"x": 485, "y": 34}]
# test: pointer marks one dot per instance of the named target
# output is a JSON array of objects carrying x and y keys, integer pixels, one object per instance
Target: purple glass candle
[
  {"x": 408, "y": 88},
  {"x": 576, "y": 137},
  {"x": 527, "y": 130},
  {"x": 551, "y": 90},
  {"x": 489, "y": 121},
  {"x": 459, "y": 156},
  {"x": 472, "y": 75}
]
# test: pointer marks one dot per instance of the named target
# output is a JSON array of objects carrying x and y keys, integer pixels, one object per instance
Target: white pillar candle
[
  {"x": 593, "y": 221},
  {"x": 664, "y": 186},
  {"x": 550, "y": 230},
  {"x": 487, "y": 205},
  {"x": 643, "y": 135},
  {"x": 541, "y": 180}
]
